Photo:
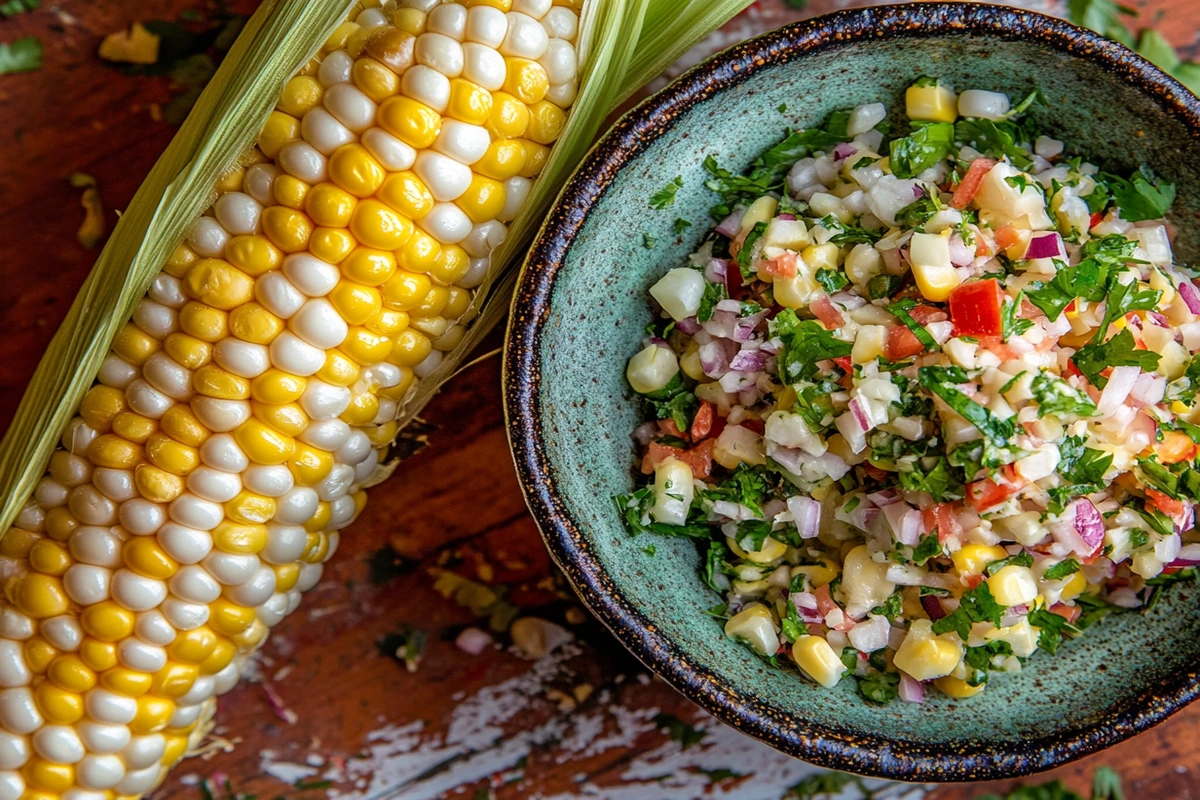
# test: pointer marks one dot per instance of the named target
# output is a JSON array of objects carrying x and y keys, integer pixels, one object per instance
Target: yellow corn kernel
[
  {"x": 957, "y": 688},
  {"x": 277, "y": 387},
  {"x": 535, "y": 158},
  {"x": 70, "y": 673},
  {"x": 287, "y": 228},
  {"x": 133, "y": 427},
  {"x": 393, "y": 48},
  {"x": 279, "y": 129},
  {"x": 170, "y": 455},
  {"x": 337, "y": 39},
  {"x": 262, "y": 445},
  {"x": 355, "y": 170},
  {"x": 48, "y": 776},
  {"x": 98, "y": 655},
  {"x": 194, "y": 646},
  {"x": 420, "y": 254},
  {"x": 134, "y": 345},
  {"x": 504, "y": 159},
  {"x": 182, "y": 425},
  {"x": 58, "y": 706},
  {"x": 153, "y": 714},
  {"x": 221, "y": 656},
  {"x": 972, "y": 559},
  {"x": 253, "y": 254},
  {"x": 410, "y": 20},
  {"x": 410, "y": 349},
  {"x": 231, "y": 181},
  {"x": 249, "y": 508},
  {"x": 331, "y": 244},
  {"x": 379, "y": 227},
  {"x": 339, "y": 369},
  {"x": 113, "y": 452},
  {"x": 1013, "y": 585},
  {"x": 310, "y": 465},
  {"x": 157, "y": 485},
  {"x": 1071, "y": 589},
  {"x": 525, "y": 80},
  {"x": 145, "y": 556},
  {"x": 410, "y": 121},
  {"x": 374, "y": 79},
  {"x": 228, "y": 618},
  {"x": 362, "y": 409},
  {"x": 380, "y": 436},
  {"x": 433, "y": 327},
  {"x": 38, "y": 654},
  {"x": 174, "y": 679},
  {"x": 503, "y": 5},
  {"x": 932, "y": 103},
  {"x": 126, "y": 682},
  {"x": 218, "y": 284},
  {"x": 252, "y": 637},
  {"x": 469, "y": 102},
  {"x": 754, "y": 624},
  {"x": 60, "y": 523},
  {"x": 329, "y": 205},
  {"x": 41, "y": 596},
  {"x": 107, "y": 621},
  {"x": 287, "y": 418},
  {"x": 240, "y": 538},
  {"x": 286, "y": 576},
  {"x": 17, "y": 543},
  {"x": 204, "y": 323},
  {"x": 366, "y": 347},
  {"x": 253, "y": 323},
  {"x": 100, "y": 406},
  {"x": 181, "y": 258},
  {"x": 433, "y": 303},
  {"x": 387, "y": 322},
  {"x": 300, "y": 95},
  {"x": 407, "y": 193},
  {"x": 817, "y": 660},
  {"x": 936, "y": 282},
  {"x": 212, "y": 381},
  {"x": 318, "y": 548},
  {"x": 354, "y": 302},
  {"x": 924, "y": 656},
  {"x": 771, "y": 550},
  {"x": 318, "y": 523},
  {"x": 290, "y": 191},
  {"x": 483, "y": 200},
  {"x": 405, "y": 291},
  {"x": 458, "y": 300},
  {"x": 49, "y": 558},
  {"x": 546, "y": 122},
  {"x": 369, "y": 267},
  {"x": 509, "y": 118},
  {"x": 187, "y": 351}
]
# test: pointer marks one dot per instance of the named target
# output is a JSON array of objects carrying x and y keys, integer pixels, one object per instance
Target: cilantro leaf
[
  {"x": 928, "y": 144},
  {"x": 665, "y": 197},
  {"x": 745, "y": 256},
  {"x": 927, "y": 548},
  {"x": 1012, "y": 325},
  {"x": 1119, "y": 351},
  {"x": 1053, "y": 628},
  {"x": 714, "y": 567},
  {"x": 1055, "y": 396},
  {"x": 747, "y": 486},
  {"x": 1082, "y": 464},
  {"x": 938, "y": 481},
  {"x": 1021, "y": 559},
  {"x": 942, "y": 381},
  {"x": 635, "y": 507},
  {"x": 880, "y": 687},
  {"x": 1087, "y": 280},
  {"x": 1142, "y": 197},
  {"x": 713, "y": 294},
  {"x": 977, "y": 605},
  {"x": 831, "y": 280},
  {"x": 1062, "y": 569},
  {"x": 681, "y": 225},
  {"x": 891, "y": 608},
  {"x": 900, "y": 311},
  {"x": 805, "y": 342},
  {"x": 996, "y": 139},
  {"x": 21, "y": 55}
]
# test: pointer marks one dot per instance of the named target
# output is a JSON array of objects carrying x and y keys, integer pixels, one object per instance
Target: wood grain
[{"x": 456, "y": 503}]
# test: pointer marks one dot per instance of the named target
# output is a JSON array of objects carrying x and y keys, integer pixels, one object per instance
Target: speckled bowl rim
[{"x": 819, "y": 744}]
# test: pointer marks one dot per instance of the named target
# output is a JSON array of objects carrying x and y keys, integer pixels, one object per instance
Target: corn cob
[{"x": 242, "y": 410}]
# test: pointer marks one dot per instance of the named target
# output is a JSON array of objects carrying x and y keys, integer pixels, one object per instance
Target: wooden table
[{"x": 329, "y": 700}]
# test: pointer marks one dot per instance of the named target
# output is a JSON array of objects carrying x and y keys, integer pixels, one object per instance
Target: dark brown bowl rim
[{"x": 827, "y": 747}]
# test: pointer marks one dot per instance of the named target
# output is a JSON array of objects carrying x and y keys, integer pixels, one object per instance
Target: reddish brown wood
[{"x": 457, "y": 498}]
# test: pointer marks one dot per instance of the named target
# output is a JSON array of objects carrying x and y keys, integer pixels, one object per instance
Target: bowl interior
[{"x": 583, "y": 306}]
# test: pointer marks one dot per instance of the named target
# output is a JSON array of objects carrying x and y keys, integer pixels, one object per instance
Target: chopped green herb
[
  {"x": 900, "y": 311},
  {"x": 648, "y": 241},
  {"x": 1055, "y": 396},
  {"x": 977, "y": 605},
  {"x": 21, "y": 55},
  {"x": 1021, "y": 559},
  {"x": 1062, "y": 569},
  {"x": 805, "y": 342},
  {"x": 831, "y": 280},
  {"x": 1119, "y": 351},
  {"x": 681, "y": 225},
  {"x": 942, "y": 382},
  {"x": 745, "y": 256},
  {"x": 665, "y": 197}
]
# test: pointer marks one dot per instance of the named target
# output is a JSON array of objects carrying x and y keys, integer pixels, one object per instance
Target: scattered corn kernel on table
[{"x": 365, "y": 692}]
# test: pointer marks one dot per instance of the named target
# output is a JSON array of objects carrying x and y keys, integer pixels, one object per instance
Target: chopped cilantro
[
  {"x": 665, "y": 197},
  {"x": 849, "y": 234},
  {"x": 979, "y": 660},
  {"x": 635, "y": 507},
  {"x": 1122, "y": 299},
  {"x": 942, "y": 381},
  {"x": 1086, "y": 280},
  {"x": 745, "y": 256},
  {"x": 1055, "y": 396},
  {"x": 928, "y": 144},
  {"x": 880, "y": 687},
  {"x": 977, "y": 605},
  {"x": 1062, "y": 569},
  {"x": 1021, "y": 559},
  {"x": 648, "y": 241},
  {"x": 21, "y": 55},
  {"x": 681, "y": 225},
  {"x": 891, "y": 609},
  {"x": 713, "y": 294},
  {"x": 883, "y": 285},
  {"x": 1119, "y": 351},
  {"x": 1053, "y": 628},
  {"x": 900, "y": 311},
  {"x": 805, "y": 343},
  {"x": 927, "y": 548},
  {"x": 831, "y": 280},
  {"x": 997, "y": 139},
  {"x": 747, "y": 486},
  {"x": 715, "y": 569},
  {"x": 1141, "y": 198}
]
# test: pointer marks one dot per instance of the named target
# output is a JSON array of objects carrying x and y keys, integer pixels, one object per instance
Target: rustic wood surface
[{"x": 328, "y": 697}]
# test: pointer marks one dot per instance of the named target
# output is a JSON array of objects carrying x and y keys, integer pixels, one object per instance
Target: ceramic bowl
[{"x": 580, "y": 311}]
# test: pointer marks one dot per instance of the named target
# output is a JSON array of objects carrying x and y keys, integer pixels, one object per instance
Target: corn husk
[{"x": 623, "y": 44}]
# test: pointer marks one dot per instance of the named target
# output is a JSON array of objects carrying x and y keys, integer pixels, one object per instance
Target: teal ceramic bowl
[{"x": 580, "y": 311}]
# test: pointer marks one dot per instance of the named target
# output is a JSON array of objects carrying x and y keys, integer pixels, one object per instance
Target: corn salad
[
  {"x": 926, "y": 401},
  {"x": 252, "y": 396}
]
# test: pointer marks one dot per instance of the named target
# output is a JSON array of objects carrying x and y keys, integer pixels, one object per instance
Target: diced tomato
[
  {"x": 668, "y": 427},
  {"x": 656, "y": 454},
  {"x": 755, "y": 425},
  {"x": 996, "y": 345},
  {"x": 1168, "y": 505},
  {"x": 902, "y": 343},
  {"x": 977, "y": 309},
  {"x": 1175, "y": 447},
  {"x": 782, "y": 267},
  {"x": 824, "y": 310},
  {"x": 1095, "y": 220},
  {"x": 698, "y": 459},
  {"x": 1069, "y": 613},
  {"x": 815, "y": 628},
  {"x": 702, "y": 423},
  {"x": 825, "y": 603},
  {"x": 733, "y": 279},
  {"x": 1007, "y": 236},
  {"x": 718, "y": 425},
  {"x": 969, "y": 185},
  {"x": 989, "y": 492},
  {"x": 846, "y": 365},
  {"x": 973, "y": 580},
  {"x": 923, "y": 315},
  {"x": 941, "y": 517},
  {"x": 875, "y": 472}
]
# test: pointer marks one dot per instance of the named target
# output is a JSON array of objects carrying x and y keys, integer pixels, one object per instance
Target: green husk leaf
[{"x": 281, "y": 36}]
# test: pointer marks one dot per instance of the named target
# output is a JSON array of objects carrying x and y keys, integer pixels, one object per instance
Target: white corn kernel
[
  {"x": 755, "y": 625},
  {"x": 651, "y": 369}
]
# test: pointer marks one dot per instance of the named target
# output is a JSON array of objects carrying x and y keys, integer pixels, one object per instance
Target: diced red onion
[
  {"x": 1059, "y": 327},
  {"x": 1048, "y": 245},
  {"x": 807, "y": 514},
  {"x": 933, "y": 607},
  {"x": 1088, "y": 524},
  {"x": 960, "y": 254},
  {"x": 734, "y": 382},
  {"x": 715, "y": 357},
  {"x": 891, "y": 259},
  {"x": 843, "y": 151},
  {"x": 1190, "y": 295},
  {"x": 860, "y": 414},
  {"x": 940, "y": 331},
  {"x": 1120, "y": 383},
  {"x": 731, "y": 226},
  {"x": 1149, "y": 389},
  {"x": 743, "y": 328},
  {"x": 722, "y": 325},
  {"x": 1158, "y": 319},
  {"x": 918, "y": 191},
  {"x": 788, "y": 217},
  {"x": 688, "y": 325},
  {"x": 884, "y": 498},
  {"x": 715, "y": 271},
  {"x": 473, "y": 641},
  {"x": 729, "y": 304},
  {"x": 749, "y": 361},
  {"x": 911, "y": 690},
  {"x": 905, "y": 522}
]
